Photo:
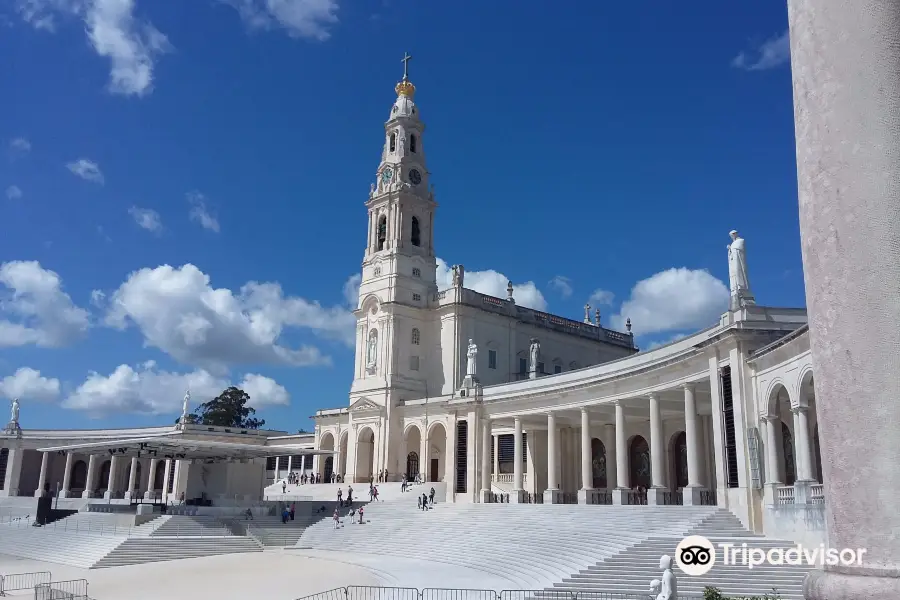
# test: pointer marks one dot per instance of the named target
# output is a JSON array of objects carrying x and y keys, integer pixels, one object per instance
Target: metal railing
[
  {"x": 400, "y": 593},
  {"x": 73, "y": 589},
  {"x": 22, "y": 581}
]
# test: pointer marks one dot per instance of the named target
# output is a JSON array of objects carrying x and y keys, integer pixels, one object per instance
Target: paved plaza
[{"x": 276, "y": 575}]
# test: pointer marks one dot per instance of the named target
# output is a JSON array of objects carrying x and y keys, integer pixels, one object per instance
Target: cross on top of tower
[{"x": 405, "y": 60}]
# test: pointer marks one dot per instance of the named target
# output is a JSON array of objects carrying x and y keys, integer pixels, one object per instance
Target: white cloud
[
  {"x": 114, "y": 33},
  {"x": 772, "y": 53},
  {"x": 672, "y": 300},
  {"x": 19, "y": 146},
  {"x": 351, "y": 291},
  {"x": 148, "y": 390},
  {"x": 601, "y": 298},
  {"x": 28, "y": 384},
  {"x": 300, "y": 18},
  {"x": 13, "y": 192},
  {"x": 200, "y": 213},
  {"x": 146, "y": 218},
  {"x": 177, "y": 311},
  {"x": 98, "y": 298},
  {"x": 43, "y": 314},
  {"x": 561, "y": 284},
  {"x": 86, "y": 169},
  {"x": 492, "y": 283},
  {"x": 666, "y": 341}
]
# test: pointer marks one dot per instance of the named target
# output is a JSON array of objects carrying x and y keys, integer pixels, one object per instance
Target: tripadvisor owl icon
[{"x": 695, "y": 555}]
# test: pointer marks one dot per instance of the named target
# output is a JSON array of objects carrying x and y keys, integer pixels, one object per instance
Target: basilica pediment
[{"x": 364, "y": 406}]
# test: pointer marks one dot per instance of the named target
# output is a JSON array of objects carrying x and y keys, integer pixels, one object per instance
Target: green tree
[{"x": 228, "y": 409}]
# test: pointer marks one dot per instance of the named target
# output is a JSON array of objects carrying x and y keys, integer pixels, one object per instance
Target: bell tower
[{"x": 399, "y": 267}]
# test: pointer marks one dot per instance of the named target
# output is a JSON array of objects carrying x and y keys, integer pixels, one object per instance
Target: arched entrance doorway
[
  {"x": 412, "y": 465},
  {"x": 78, "y": 477},
  {"x": 598, "y": 463},
  {"x": 787, "y": 446},
  {"x": 437, "y": 453},
  {"x": 413, "y": 445},
  {"x": 678, "y": 454},
  {"x": 365, "y": 454},
  {"x": 639, "y": 462},
  {"x": 328, "y": 469},
  {"x": 326, "y": 443}
]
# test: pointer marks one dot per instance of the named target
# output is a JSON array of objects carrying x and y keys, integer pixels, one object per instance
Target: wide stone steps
[
  {"x": 56, "y": 545},
  {"x": 157, "y": 549},
  {"x": 270, "y": 531},
  {"x": 630, "y": 571},
  {"x": 533, "y": 545},
  {"x": 191, "y": 526}
]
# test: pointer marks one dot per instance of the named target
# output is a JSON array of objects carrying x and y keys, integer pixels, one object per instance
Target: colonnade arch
[
  {"x": 412, "y": 461},
  {"x": 365, "y": 454},
  {"x": 678, "y": 462},
  {"x": 639, "y": 462},
  {"x": 78, "y": 477},
  {"x": 159, "y": 476},
  {"x": 436, "y": 452},
  {"x": 326, "y": 464},
  {"x": 342, "y": 462},
  {"x": 598, "y": 464}
]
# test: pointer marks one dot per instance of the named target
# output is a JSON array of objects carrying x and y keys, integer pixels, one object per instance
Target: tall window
[
  {"x": 393, "y": 142},
  {"x": 492, "y": 359},
  {"x": 416, "y": 237},
  {"x": 412, "y": 143},
  {"x": 382, "y": 232},
  {"x": 558, "y": 369},
  {"x": 415, "y": 336}
]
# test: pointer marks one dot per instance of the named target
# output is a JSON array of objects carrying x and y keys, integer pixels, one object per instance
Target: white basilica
[
  {"x": 497, "y": 401},
  {"x": 505, "y": 403}
]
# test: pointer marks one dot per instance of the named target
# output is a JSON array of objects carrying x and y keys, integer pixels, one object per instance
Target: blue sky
[{"x": 184, "y": 181}]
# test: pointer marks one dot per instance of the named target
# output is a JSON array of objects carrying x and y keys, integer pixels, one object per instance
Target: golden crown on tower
[{"x": 405, "y": 87}]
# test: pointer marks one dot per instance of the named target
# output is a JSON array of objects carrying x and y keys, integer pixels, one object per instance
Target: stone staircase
[
  {"x": 191, "y": 526},
  {"x": 270, "y": 531},
  {"x": 631, "y": 570},
  {"x": 78, "y": 548},
  {"x": 135, "y": 551},
  {"x": 531, "y": 546}
]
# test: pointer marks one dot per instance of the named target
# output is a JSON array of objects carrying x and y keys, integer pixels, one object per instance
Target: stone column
[
  {"x": 167, "y": 480},
  {"x": 278, "y": 464},
  {"x": 151, "y": 479},
  {"x": 426, "y": 458},
  {"x": 13, "y": 472},
  {"x": 90, "y": 481},
  {"x": 587, "y": 475},
  {"x": 67, "y": 476},
  {"x": 496, "y": 456},
  {"x": 485, "y": 459},
  {"x": 609, "y": 431},
  {"x": 691, "y": 494},
  {"x": 773, "y": 480},
  {"x": 42, "y": 478},
  {"x": 622, "y": 479},
  {"x": 132, "y": 479},
  {"x": 113, "y": 481},
  {"x": 552, "y": 495},
  {"x": 518, "y": 489},
  {"x": 804, "y": 451},
  {"x": 845, "y": 58},
  {"x": 336, "y": 463},
  {"x": 657, "y": 468}
]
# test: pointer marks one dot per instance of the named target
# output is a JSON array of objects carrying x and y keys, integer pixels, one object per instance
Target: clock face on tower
[
  {"x": 415, "y": 177},
  {"x": 387, "y": 175}
]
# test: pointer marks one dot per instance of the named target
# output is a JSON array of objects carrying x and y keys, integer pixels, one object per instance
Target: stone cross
[{"x": 405, "y": 60}]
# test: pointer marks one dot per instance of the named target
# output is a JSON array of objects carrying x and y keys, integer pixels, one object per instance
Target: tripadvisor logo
[{"x": 695, "y": 555}]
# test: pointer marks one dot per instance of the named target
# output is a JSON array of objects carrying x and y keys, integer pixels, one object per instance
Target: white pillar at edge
[
  {"x": 657, "y": 479},
  {"x": 587, "y": 475},
  {"x": 517, "y": 456}
]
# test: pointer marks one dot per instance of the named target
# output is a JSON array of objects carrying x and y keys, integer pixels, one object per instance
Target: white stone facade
[{"x": 684, "y": 423}]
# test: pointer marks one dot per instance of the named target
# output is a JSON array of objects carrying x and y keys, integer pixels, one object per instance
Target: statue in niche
[
  {"x": 738, "y": 275},
  {"x": 403, "y": 145},
  {"x": 470, "y": 359},
  {"x": 14, "y": 412},
  {"x": 668, "y": 587},
  {"x": 535, "y": 353},
  {"x": 372, "y": 352}
]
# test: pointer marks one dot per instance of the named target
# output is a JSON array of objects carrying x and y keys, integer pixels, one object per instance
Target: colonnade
[
  {"x": 692, "y": 493},
  {"x": 148, "y": 476},
  {"x": 803, "y": 451}
]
